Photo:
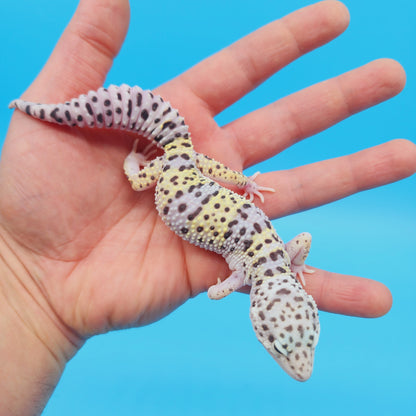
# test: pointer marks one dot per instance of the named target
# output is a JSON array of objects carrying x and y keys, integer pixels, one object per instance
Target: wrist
[{"x": 34, "y": 345}]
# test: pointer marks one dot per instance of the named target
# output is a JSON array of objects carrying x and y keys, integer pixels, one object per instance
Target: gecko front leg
[
  {"x": 298, "y": 249},
  {"x": 218, "y": 171},
  {"x": 232, "y": 283}
]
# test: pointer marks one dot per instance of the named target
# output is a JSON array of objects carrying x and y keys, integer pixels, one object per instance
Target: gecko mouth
[{"x": 297, "y": 363}]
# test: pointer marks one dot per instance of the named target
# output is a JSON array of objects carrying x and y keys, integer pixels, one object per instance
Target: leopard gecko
[{"x": 199, "y": 210}]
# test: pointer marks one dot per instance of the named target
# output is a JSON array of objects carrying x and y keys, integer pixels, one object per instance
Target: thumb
[{"x": 85, "y": 52}]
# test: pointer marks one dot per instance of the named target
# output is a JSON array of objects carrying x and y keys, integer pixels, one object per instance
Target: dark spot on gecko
[
  {"x": 166, "y": 210},
  {"x": 270, "y": 305},
  {"x": 89, "y": 109},
  {"x": 247, "y": 244},
  {"x": 178, "y": 194},
  {"x": 182, "y": 207},
  {"x": 275, "y": 254},
  {"x": 139, "y": 99},
  {"x": 227, "y": 234},
  {"x": 257, "y": 227},
  {"x": 194, "y": 214},
  {"x": 283, "y": 292},
  {"x": 55, "y": 117},
  {"x": 145, "y": 115},
  {"x": 268, "y": 272}
]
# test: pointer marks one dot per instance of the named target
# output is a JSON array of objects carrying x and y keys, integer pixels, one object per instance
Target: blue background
[{"x": 204, "y": 359}]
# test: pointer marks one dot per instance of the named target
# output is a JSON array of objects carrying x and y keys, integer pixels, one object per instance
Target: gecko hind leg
[
  {"x": 146, "y": 177},
  {"x": 232, "y": 283},
  {"x": 298, "y": 249}
]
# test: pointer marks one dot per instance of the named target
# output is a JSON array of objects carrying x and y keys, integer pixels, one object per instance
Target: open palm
[{"x": 96, "y": 251}]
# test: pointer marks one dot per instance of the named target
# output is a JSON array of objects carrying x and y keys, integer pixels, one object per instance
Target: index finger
[{"x": 241, "y": 67}]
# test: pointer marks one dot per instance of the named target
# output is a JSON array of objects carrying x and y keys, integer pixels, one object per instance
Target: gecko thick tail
[{"x": 117, "y": 107}]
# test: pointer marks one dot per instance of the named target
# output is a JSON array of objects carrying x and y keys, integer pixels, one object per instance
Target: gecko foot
[
  {"x": 300, "y": 270},
  {"x": 136, "y": 160},
  {"x": 253, "y": 189},
  {"x": 234, "y": 282}
]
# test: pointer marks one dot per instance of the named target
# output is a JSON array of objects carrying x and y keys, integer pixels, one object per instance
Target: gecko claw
[{"x": 253, "y": 189}]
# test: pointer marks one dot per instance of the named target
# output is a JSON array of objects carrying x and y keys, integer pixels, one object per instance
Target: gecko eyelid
[{"x": 278, "y": 347}]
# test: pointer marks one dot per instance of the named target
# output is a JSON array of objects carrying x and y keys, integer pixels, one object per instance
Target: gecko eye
[{"x": 279, "y": 348}]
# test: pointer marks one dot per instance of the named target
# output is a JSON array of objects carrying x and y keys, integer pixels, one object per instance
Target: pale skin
[{"x": 80, "y": 251}]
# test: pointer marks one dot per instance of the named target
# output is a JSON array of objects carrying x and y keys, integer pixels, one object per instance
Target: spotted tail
[{"x": 118, "y": 107}]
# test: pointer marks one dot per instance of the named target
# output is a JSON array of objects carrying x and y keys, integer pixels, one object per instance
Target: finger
[
  {"x": 242, "y": 66},
  {"x": 319, "y": 183},
  {"x": 271, "y": 129},
  {"x": 349, "y": 295},
  {"x": 84, "y": 53}
]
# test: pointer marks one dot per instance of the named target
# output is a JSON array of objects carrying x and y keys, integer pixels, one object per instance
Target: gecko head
[{"x": 285, "y": 320}]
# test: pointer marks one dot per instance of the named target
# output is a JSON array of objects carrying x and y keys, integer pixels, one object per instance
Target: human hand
[{"x": 95, "y": 254}]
